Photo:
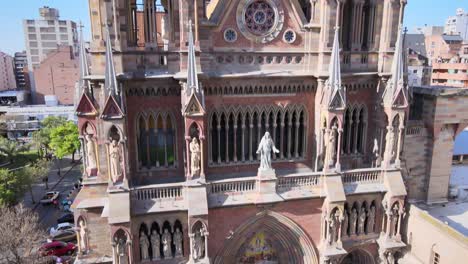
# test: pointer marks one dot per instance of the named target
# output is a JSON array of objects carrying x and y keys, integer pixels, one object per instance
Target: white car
[
  {"x": 50, "y": 197},
  {"x": 61, "y": 227}
]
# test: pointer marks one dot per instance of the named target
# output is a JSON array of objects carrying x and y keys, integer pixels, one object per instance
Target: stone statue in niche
[
  {"x": 115, "y": 161},
  {"x": 155, "y": 245},
  {"x": 376, "y": 153},
  {"x": 395, "y": 216},
  {"x": 362, "y": 221},
  {"x": 167, "y": 242},
  {"x": 144, "y": 246},
  {"x": 389, "y": 143},
  {"x": 264, "y": 149},
  {"x": 90, "y": 152},
  {"x": 83, "y": 237},
  {"x": 195, "y": 157},
  {"x": 121, "y": 252},
  {"x": 330, "y": 147},
  {"x": 371, "y": 220},
  {"x": 178, "y": 243},
  {"x": 352, "y": 222},
  {"x": 333, "y": 229},
  {"x": 198, "y": 244},
  {"x": 344, "y": 227}
]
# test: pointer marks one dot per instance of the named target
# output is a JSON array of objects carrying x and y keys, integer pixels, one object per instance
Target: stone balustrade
[
  {"x": 362, "y": 176},
  {"x": 162, "y": 191},
  {"x": 232, "y": 186},
  {"x": 294, "y": 182}
]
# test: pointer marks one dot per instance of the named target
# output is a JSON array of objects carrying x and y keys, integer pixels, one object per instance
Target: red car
[{"x": 57, "y": 248}]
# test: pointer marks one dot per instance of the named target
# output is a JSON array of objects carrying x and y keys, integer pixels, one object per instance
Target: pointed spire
[
  {"x": 192, "y": 73},
  {"x": 396, "y": 91},
  {"x": 110, "y": 84},
  {"x": 84, "y": 67},
  {"x": 337, "y": 92}
]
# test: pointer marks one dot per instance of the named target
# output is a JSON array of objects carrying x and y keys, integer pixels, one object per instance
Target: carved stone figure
[
  {"x": 90, "y": 152},
  {"x": 198, "y": 245},
  {"x": 122, "y": 252},
  {"x": 376, "y": 153},
  {"x": 178, "y": 243},
  {"x": 390, "y": 142},
  {"x": 164, "y": 28},
  {"x": 330, "y": 147},
  {"x": 195, "y": 157},
  {"x": 83, "y": 237},
  {"x": 352, "y": 222},
  {"x": 344, "y": 227},
  {"x": 390, "y": 258},
  {"x": 155, "y": 245},
  {"x": 264, "y": 149},
  {"x": 371, "y": 220},
  {"x": 395, "y": 216},
  {"x": 362, "y": 221},
  {"x": 115, "y": 161},
  {"x": 333, "y": 227},
  {"x": 144, "y": 246},
  {"x": 167, "y": 241}
]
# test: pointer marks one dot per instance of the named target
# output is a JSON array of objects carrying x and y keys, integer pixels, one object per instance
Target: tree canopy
[
  {"x": 11, "y": 148},
  {"x": 10, "y": 187},
  {"x": 41, "y": 137},
  {"x": 64, "y": 139}
]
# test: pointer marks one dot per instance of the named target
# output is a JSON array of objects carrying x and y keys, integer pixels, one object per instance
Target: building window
[
  {"x": 63, "y": 30},
  {"x": 62, "y": 22},
  {"x": 29, "y": 21},
  {"x": 235, "y": 133},
  {"x": 355, "y": 127},
  {"x": 156, "y": 141},
  {"x": 32, "y": 36},
  {"x": 31, "y": 29}
]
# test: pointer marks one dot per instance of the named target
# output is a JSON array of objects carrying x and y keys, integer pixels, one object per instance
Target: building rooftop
[
  {"x": 454, "y": 214},
  {"x": 452, "y": 38},
  {"x": 416, "y": 42}
]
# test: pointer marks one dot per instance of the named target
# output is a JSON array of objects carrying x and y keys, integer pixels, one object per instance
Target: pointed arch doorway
[{"x": 268, "y": 238}]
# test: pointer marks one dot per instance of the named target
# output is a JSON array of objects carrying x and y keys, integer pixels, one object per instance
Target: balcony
[
  {"x": 363, "y": 180},
  {"x": 450, "y": 76},
  {"x": 158, "y": 198},
  {"x": 450, "y": 66},
  {"x": 23, "y": 125}
]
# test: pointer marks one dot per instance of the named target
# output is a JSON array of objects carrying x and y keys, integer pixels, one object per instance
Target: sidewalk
[{"x": 66, "y": 171}]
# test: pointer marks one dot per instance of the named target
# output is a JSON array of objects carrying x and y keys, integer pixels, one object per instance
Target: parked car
[
  {"x": 66, "y": 218},
  {"x": 50, "y": 197},
  {"x": 57, "y": 248},
  {"x": 61, "y": 227},
  {"x": 64, "y": 236}
]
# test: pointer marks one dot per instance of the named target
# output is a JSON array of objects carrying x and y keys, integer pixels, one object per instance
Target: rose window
[{"x": 259, "y": 17}]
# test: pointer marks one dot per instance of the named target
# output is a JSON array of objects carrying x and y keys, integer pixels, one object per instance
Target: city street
[{"x": 70, "y": 174}]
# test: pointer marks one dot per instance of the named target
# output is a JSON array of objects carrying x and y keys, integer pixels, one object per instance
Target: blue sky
[{"x": 417, "y": 13}]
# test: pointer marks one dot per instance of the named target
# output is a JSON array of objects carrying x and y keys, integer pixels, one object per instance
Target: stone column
[
  {"x": 296, "y": 140},
  {"x": 227, "y": 139},
  {"x": 289, "y": 136},
  {"x": 191, "y": 235},
  {"x": 235, "y": 140},
  {"x": 389, "y": 223},
  {"x": 398, "y": 231},
  {"x": 274, "y": 135},
  {"x": 205, "y": 234},
  {"x": 250, "y": 140},
  {"x": 281, "y": 145},
  {"x": 219, "y": 139},
  {"x": 357, "y": 24},
  {"x": 338, "y": 152},
  {"x": 356, "y": 134},
  {"x": 210, "y": 144},
  {"x": 243, "y": 139},
  {"x": 202, "y": 157},
  {"x": 349, "y": 132},
  {"x": 401, "y": 128},
  {"x": 114, "y": 254},
  {"x": 187, "y": 148}
]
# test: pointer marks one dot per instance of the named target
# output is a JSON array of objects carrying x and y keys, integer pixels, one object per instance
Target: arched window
[
  {"x": 156, "y": 141},
  {"x": 355, "y": 127},
  {"x": 235, "y": 133}
]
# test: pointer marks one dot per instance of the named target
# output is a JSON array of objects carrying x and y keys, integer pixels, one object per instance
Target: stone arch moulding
[
  {"x": 198, "y": 125},
  {"x": 288, "y": 233},
  {"x": 358, "y": 255},
  {"x": 84, "y": 128}
]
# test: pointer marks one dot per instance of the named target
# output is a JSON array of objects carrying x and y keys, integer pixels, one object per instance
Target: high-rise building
[
  {"x": 43, "y": 36},
  {"x": 458, "y": 24},
  {"x": 21, "y": 71},
  {"x": 7, "y": 75}
]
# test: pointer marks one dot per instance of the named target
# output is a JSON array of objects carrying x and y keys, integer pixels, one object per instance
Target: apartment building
[
  {"x": 7, "y": 77},
  {"x": 21, "y": 71},
  {"x": 458, "y": 24}
]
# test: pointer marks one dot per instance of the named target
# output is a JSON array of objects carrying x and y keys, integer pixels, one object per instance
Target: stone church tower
[{"x": 242, "y": 131}]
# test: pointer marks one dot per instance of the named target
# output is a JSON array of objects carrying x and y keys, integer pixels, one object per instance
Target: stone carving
[
  {"x": 167, "y": 241},
  {"x": 376, "y": 153},
  {"x": 394, "y": 216},
  {"x": 333, "y": 227},
  {"x": 178, "y": 243},
  {"x": 199, "y": 244},
  {"x": 164, "y": 27},
  {"x": 115, "y": 161},
  {"x": 344, "y": 227},
  {"x": 83, "y": 237},
  {"x": 390, "y": 142},
  {"x": 121, "y": 252},
  {"x": 155, "y": 245},
  {"x": 371, "y": 220},
  {"x": 195, "y": 157},
  {"x": 352, "y": 222},
  {"x": 144, "y": 246},
  {"x": 264, "y": 149},
  {"x": 362, "y": 221},
  {"x": 330, "y": 147},
  {"x": 90, "y": 152}
]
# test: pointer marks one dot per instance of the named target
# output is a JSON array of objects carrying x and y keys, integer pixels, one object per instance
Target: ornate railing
[
  {"x": 287, "y": 183},
  {"x": 232, "y": 186},
  {"x": 160, "y": 192},
  {"x": 414, "y": 128},
  {"x": 372, "y": 175}
]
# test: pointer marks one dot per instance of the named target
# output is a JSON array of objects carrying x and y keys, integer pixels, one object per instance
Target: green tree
[
  {"x": 32, "y": 173},
  {"x": 42, "y": 137},
  {"x": 11, "y": 148},
  {"x": 10, "y": 188},
  {"x": 64, "y": 140}
]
